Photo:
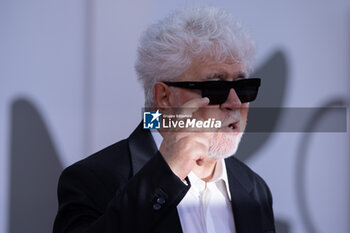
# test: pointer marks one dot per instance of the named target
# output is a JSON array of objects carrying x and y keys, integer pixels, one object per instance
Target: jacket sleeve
[{"x": 137, "y": 206}]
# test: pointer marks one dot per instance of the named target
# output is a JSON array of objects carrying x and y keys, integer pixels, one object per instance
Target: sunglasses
[{"x": 218, "y": 91}]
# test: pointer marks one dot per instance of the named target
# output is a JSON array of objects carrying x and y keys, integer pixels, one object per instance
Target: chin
[{"x": 224, "y": 145}]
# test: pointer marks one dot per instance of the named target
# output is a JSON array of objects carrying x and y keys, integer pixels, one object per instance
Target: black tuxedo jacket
[{"x": 128, "y": 187}]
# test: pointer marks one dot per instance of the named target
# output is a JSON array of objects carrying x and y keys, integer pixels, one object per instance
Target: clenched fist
[{"x": 182, "y": 150}]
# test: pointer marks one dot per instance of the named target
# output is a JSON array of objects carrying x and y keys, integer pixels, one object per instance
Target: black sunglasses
[{"x": 218, "y": 91}]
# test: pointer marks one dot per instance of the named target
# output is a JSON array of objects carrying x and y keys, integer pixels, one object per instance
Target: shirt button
[
  {"x": 157, "y": 206},
  {"x": 160, "y": 200}
]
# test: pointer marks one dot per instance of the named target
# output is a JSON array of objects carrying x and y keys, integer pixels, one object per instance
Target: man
[{"x": 194, "y": 62}]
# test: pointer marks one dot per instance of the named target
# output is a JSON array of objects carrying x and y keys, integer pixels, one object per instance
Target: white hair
[{"x": 167, "y": 48}]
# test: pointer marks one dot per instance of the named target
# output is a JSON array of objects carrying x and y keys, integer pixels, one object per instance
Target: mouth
[{"x": 233, "y": 127}]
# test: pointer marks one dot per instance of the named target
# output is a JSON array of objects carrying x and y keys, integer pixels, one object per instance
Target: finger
[{"x": 193, "y": 105}]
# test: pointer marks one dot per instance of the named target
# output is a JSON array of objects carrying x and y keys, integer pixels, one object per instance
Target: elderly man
[{"x": 194, "y": 62}]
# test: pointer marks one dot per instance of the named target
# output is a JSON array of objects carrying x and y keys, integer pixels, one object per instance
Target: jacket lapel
[
  {"x": 245, "y": 207},
  {"x": 142, "y": 148}
]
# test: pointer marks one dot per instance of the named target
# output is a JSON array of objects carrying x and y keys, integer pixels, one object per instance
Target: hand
[{"x": 181, "y": 149}]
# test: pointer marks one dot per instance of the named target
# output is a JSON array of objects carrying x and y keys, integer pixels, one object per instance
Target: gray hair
[{"x": 167, "y": 48}]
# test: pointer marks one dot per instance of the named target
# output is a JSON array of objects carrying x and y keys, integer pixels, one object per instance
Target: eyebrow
[{"x": 238, "y": 75}]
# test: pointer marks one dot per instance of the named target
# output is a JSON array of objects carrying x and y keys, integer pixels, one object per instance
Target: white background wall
[
  {"x": 42, "y": 60},
  {"x": 74, "y": 60}
]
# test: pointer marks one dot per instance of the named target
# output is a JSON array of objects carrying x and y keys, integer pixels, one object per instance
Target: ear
[{"x": 162, "y": 95}]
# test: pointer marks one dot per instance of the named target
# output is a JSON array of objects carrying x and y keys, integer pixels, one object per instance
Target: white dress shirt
[{"x": 206, "y": 207}]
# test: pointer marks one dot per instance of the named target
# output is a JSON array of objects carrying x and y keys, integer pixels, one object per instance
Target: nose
[{"x": 232, "y": 102}]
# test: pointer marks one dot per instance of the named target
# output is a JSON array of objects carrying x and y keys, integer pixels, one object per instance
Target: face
[{"x": 232, "y": 113}]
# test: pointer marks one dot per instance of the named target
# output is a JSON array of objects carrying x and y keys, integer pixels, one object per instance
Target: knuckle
[{"x": 186, "y": 143}]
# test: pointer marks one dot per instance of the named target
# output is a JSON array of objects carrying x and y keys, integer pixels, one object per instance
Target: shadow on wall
[
  {"x": 35, "y": 169},
  {"x": 322, "y": 116},
  {"x": 271, "y": 94},
  {"x": 274, "y": 73}
]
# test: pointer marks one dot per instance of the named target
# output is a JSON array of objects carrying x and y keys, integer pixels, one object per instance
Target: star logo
[
  {"x": 151, "y": 120},
  {"x": 155, "y": 115}
]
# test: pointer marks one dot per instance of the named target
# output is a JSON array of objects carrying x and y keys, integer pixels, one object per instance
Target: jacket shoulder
[{"x": 110, "y": 165}]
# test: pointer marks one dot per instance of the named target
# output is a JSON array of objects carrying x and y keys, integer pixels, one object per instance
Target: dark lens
[
  {"x": 216, "y": 95},
  {"x": 219, "y": 95},
  {"x": 218, "y": 91},
  {"x": 246, "y": 94}
]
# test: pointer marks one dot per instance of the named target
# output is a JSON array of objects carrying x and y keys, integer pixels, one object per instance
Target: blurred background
[{"x": 68, "y": 88}]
